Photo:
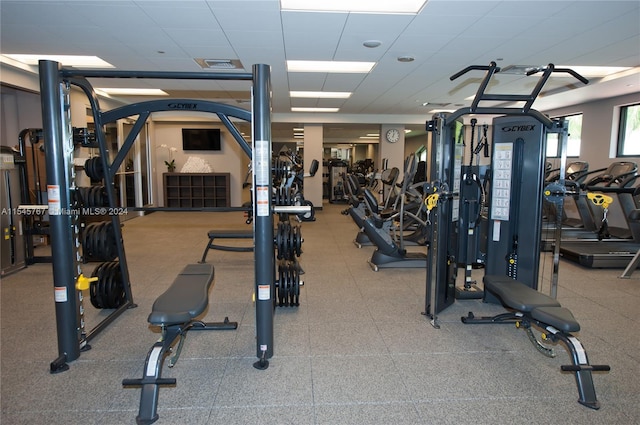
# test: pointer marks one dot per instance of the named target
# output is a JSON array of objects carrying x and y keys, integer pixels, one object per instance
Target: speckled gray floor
[{"x": 356, "y": 351}]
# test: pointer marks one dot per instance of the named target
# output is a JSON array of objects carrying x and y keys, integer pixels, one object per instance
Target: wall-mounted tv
[{"x": 201, "y": 139}]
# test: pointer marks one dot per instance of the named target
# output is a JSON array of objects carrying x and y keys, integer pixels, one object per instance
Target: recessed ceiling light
[
  {"x": 406, "y": 58},
  {"x": 299, "y": 109},
  {"x": 329, "y": 66},
  {"x": 372, "y": 44},
  {"x": 133, "y": 92},
  {"x": 321, "y": 94},
  {"x": 65, "y": 60},
  {"x": 370, "y": 6}
]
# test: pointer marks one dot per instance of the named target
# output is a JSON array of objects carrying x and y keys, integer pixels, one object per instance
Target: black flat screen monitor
[{"x": 201, "y": 139}]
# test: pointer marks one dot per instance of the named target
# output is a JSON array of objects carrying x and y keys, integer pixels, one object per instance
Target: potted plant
[{"x": 171, "y": 163}]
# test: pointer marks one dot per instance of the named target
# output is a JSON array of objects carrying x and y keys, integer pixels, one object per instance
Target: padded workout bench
[
  {"x": 533, "y": 307},
  {"x": 227, "y": 234},
  {"x": 175, "y": 312}
]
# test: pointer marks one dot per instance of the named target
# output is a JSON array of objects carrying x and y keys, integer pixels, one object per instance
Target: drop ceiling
[{"x": 445, "y": 37}]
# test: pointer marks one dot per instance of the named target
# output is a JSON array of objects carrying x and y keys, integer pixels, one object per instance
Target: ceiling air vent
[
  {"x": 520, "y": 69},
  {"x": 220, "y": 64}
]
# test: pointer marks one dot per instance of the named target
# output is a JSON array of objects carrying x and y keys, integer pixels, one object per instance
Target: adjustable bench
[
  {"x": 227, "y": 234},
  {"x": 175, "y": 312},
  {"x": 532, "y": 307}
]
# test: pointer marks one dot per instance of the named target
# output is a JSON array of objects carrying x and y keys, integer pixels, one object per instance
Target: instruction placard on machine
[
  {"x": 262, "y": 172},
  {"x": 501, "y": 185}
]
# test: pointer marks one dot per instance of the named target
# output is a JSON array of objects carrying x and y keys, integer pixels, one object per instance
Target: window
[
  {"x": 629, "y": 131},
  {"x": 573, "y": 142}
]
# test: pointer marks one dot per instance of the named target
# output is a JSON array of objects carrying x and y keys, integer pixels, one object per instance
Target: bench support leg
[
  {"x": 581, "y": 368},
  {"x": 580, "y": 362},
  {"x": 500, "y": 318},
  {"x": 151, "y": 381}
]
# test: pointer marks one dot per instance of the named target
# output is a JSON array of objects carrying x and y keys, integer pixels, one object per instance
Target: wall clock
[{"x": 392, "y": 135}]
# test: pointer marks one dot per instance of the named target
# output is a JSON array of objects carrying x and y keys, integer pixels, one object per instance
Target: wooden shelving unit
[{"x": 196, "y": 190}]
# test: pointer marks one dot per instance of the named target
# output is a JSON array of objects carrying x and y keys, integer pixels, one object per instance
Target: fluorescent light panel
[
  {"x": 66, "y": 60},
  {"x": 321, "y": 94},
  {"x": 133, "y": 92},
  {"x": 299, "y": 109},
  {"x": 344, "y": 67},
  {"x": 358, "y": 6}
]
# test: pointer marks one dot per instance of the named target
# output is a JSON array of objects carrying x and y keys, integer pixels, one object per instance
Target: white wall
[
  {"x": 599, "y": 128},
  {"x": 230, "y": 159},
  {"x": 20, "y": 110}
]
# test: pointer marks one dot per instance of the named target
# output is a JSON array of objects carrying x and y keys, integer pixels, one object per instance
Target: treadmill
[
  {"x": 609, "y": 253},
  {"x": 580, "y": 221}
]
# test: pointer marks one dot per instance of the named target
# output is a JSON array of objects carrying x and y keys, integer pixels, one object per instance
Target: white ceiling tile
[
  {"x": 113, "y": 15},
  {"x": 192, "y": 15},
  {"x": 254, "y": 38},
  {"x": 304, "y": 22},
  {"x": 459, "y": 7},
  {"x": 203, "y": 37}
]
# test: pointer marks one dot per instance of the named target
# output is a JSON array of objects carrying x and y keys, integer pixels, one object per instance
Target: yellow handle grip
[
  {"x": 600, "y": 199},
  {"x": 83, "y": 282}
]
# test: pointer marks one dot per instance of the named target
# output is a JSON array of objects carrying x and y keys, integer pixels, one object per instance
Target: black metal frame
[{"x": 55, "y": 85}]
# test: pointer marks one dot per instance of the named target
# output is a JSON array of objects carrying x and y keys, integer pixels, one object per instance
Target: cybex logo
[
  {"x": 519, "y": 128},
  {"x": 183, "y": 105}
]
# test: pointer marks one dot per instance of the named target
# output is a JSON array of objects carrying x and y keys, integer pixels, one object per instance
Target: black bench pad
[
  {"x": 558, "y": 317},
  {"x": 186, "y": 298},
  {"x": 230, "y": 234},
  {"x": 517, "y": 295}
]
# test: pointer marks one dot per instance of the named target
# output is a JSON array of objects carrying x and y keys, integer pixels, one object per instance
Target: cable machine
[
  {"x": 55, "y": 86},
  {"x": 515, "y": 197}
]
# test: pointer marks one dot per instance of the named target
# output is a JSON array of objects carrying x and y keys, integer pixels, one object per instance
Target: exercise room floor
[{"x": 357, "y": 350}]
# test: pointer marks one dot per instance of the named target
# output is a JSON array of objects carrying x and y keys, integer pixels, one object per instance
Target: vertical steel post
[
  {"x": 264, "y": 253},
  {"x": 55, "y": 115},
  {"x": 562, "y": 127}
]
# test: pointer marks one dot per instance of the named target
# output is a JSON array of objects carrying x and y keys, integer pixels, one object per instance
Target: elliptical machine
[{"x": 388, "y": 253}]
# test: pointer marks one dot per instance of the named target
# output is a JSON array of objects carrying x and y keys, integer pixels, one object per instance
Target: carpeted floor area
[{"x": 356, "y": 351}]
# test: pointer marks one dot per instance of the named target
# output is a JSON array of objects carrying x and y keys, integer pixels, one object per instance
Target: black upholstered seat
[
  {"x": 558, "y": 317},
  {"x": 186, "y": 298},
  {"x": 517, "y": 295}
]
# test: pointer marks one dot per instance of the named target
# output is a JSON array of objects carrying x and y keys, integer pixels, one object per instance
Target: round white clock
[{"x": 392, "y": 135}]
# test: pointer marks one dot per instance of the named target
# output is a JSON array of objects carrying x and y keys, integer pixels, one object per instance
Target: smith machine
[{"x": 69, "y": 282}]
